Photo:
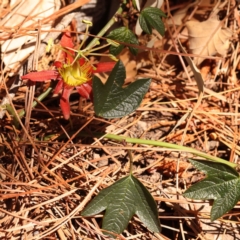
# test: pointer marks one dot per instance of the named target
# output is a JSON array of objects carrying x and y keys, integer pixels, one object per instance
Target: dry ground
[{"x": 50, "y": 170}]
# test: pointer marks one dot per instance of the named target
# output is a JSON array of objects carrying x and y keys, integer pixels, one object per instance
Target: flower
[{"x": 72, "y": 74}]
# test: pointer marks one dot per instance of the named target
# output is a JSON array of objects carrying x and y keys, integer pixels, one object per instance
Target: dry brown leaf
[
  {"x": 179, "y": 15},
  {"x": 182, "y": 14},
  {"x": 24, "y": 13},
  {"x": 207, "y": 38}
]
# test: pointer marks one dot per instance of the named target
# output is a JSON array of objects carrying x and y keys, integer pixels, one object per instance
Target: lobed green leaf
[
  {"x": 113, "y": 101},
  {"x": 125, "y": 35},
  {"x": 122, "y": 200},
  {"x": 212, "y": 168},
  {"x": 146, "y": 207},
  {"x": 222, "y": 184},
  {"x": 101, "y": 201},
  {"x": 149, "y": 18}
]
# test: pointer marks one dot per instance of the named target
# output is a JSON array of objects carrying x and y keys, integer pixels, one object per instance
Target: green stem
[
  {"x": 108, "y": 25},
  {"x": 170, "y": 146},
  {"x": 89, "y": 51},
  {"x": 22, "y": 112}
]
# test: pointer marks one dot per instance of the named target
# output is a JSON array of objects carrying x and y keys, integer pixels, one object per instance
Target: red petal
[
  {"x": 58, "y": 64},
  {"x": 66, "y": 40},
  {"x": 81, "y": 61},
  {"x": 59, "y": 87},
  {"x": 104, "y": 67},
  {"x": 64, "y": 102},
  {"x": 42, "y": 75},
  {"x": 85, "y": 90}
]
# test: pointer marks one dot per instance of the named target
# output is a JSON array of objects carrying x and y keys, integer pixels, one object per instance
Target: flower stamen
[{"x": 76, "y": 74}]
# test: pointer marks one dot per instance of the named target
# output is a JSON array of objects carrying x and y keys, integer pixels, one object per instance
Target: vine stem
[
  {"x": 170, "y": 146},
  {"x": 9, "y": 108},
  {"x": 108, "y": 25}
]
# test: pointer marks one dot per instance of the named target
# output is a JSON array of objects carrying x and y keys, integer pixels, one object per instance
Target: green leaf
[
  {"x": 122, "y": 200},
  {"x": 149, "y": 18},
  {"x": 222, "y": 184},
  {"x": 211, "y": 168},
  {"x": 113, "y": 101},
  {"x": 125, "y": 35},
  {"x": 146, "y": 208}
]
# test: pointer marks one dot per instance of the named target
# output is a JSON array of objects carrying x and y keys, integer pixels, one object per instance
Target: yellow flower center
[{"x": 76, "y": 74}]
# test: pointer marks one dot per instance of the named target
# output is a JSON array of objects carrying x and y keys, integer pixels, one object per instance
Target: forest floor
[{"x": 50, "y": 168}]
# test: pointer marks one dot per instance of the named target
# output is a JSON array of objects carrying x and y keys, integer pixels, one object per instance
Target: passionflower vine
[{"x": 71, "y": 73}]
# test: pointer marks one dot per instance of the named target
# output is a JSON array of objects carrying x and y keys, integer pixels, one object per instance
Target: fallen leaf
[
  {"x": 179, "y": 15},
  {"x": 24, "y": 14},
  {"x": 207, "y": 38}
]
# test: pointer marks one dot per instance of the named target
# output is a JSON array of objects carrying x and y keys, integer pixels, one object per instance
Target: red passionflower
[{"x": 71, "y": 75}]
